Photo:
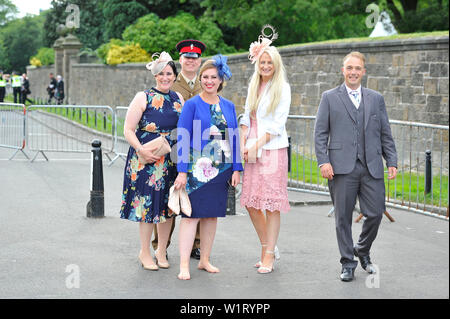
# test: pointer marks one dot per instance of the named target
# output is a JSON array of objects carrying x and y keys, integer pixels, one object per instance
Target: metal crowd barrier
[
  {"x": 121, "y": 146},
  {"x": 69, "y": 128},
  {"x": 407, "y": 191},
  {"x": 12, "y": 127}
]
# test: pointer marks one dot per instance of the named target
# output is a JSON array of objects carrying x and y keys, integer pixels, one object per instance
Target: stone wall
[
  {"x": 412, "y": 74},
  {"x": 39, "y": 80}
]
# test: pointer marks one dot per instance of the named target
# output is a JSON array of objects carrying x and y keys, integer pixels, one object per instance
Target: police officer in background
[
  {"x": 2, "y": 87},
  {"x": 188, "y": 85},
  {"x": 16, "y": 83}
]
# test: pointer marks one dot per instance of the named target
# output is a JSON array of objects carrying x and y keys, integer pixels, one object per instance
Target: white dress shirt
[{"x": 352, "y": 98}]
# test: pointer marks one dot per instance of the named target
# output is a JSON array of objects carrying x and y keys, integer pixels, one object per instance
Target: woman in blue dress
[
  {"x": 208, "y": 159},
  {"x": 155, "y": 113}
]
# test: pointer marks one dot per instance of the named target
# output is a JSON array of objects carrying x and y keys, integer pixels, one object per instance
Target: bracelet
[{"x": 139, "y": 149}]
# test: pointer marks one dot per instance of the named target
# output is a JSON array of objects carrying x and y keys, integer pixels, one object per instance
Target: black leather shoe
[
  {"x": 347, "y": 274},
  {"x": 195, "y": 253},
  {"x": 366, "y": 264}
]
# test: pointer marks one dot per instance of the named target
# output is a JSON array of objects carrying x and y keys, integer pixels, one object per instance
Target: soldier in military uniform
[
  {"x": 2, "y": 87},
  {"x": 188, "y": 85}
]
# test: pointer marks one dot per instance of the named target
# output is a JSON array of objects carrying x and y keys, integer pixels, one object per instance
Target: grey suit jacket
[{"x": 336, "y": 134}]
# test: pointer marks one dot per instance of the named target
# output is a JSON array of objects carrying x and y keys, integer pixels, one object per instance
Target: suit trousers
[{"x": 344, "y": 189}]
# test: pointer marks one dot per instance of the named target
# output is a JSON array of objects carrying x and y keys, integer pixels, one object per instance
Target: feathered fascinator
[
  {"x": 220, "y": 62},
  {"x": 264, "y": 41},
  {"x": 159, "y": 62}
]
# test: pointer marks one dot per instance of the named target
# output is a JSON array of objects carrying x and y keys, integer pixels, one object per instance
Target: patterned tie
[
  {"x": 356, "y": 98},
  {"x": 191, "y": 84}
]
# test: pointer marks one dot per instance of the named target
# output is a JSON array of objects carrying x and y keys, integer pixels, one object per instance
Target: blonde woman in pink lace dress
[{"x": 264, "y": 143}]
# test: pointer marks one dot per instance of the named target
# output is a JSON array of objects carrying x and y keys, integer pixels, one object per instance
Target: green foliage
[
  {"x": 4, "y": 61},
  {"x": 119, "y": 14},
  {"x": 156, "y": 35},
  {"x": 46, "y": 56},
  {"x": 167, "y": 8},
  {"x": 7, "y": 11},
  {"x": 422, "y": 16},
  {"x": 296, "y": 21},
  {"x": 90, "y": 31},
  {"x": 19, "y": 40}
]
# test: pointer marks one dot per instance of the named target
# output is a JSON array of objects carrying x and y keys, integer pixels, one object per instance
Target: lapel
[
  {"x": 365, "y": 98},
  {"x": 197, "y": 87},
  {"x": 343, "y": 95}
]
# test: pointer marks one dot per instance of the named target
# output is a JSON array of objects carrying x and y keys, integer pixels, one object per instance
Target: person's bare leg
[
  {"x": 272, "y": 231},
  {"x": 259, "y": 222},
  {"x": 163, "y": 237},
  {"x": 186, "y": 236},
  {"x": 208, "y": 228},
  {"x": 145, "y": 234}
]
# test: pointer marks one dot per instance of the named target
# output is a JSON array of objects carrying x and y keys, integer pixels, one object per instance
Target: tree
[
  {"x": 296, "y": 21},
  {"x": 119, "y": 15},
  {"x": 419, "y": 15},
  {"x": 156, "y": 35},
  {"x": 91, "y": 28},
  {"x": 167, "y": 8},
  {"x": 7, "y": 11},
  {"x": 20, "y": 39}
]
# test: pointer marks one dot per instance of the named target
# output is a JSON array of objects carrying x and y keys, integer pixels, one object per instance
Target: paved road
[{"x": 47, "y": 240}]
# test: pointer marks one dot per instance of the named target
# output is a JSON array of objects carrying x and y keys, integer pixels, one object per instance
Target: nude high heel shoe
[
  {"x": 174, "y": 200},
  {"x": 185, "y": 203}
]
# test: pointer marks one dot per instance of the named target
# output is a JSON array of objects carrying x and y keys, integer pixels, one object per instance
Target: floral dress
[
  {"x": 210, "y": 170},
  {"x": 146, "y": 187}
]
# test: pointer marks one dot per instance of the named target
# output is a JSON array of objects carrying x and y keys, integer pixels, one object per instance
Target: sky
[{"x": 31, "y": 6}]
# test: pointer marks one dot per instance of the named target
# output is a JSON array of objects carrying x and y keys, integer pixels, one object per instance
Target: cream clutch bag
[{"x": 160, "y": 145}]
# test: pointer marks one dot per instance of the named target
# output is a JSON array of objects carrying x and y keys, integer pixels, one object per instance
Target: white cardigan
[{"x": 274, "y": 124}]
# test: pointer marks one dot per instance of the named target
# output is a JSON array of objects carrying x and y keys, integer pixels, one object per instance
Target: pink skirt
[{"x": 264, "y": 185}]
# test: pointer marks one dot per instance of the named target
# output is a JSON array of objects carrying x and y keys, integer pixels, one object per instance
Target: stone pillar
[
  {"x": 59, "y": 56},
  {"x": 71, "y": 47}
]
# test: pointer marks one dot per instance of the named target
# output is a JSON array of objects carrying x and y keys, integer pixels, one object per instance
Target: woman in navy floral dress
[{"x": 145, "y": 195}]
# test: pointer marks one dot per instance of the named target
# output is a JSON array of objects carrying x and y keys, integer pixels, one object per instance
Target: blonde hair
[
  {"x": 355, "y": 54},
  {"x": 209, "y": 64},
  {"x": 276, "y": 86}
]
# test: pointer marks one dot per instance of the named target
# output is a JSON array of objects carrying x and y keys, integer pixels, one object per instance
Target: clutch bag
[{"x": 160, "y": 145}]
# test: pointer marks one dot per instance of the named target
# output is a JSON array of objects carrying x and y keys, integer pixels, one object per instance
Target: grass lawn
[{"x": 306, "y": 170}]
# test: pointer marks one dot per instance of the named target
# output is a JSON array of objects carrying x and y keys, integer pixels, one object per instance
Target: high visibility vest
[
  {"x": 16, "y": 81},
  {"x": 2, "y": 82}
]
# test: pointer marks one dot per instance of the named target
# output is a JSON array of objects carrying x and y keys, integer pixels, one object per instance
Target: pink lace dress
[{"x": 264, "y": 185}]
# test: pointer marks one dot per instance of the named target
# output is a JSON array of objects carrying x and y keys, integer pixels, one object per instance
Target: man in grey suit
[{"x": 352, "y": 134}]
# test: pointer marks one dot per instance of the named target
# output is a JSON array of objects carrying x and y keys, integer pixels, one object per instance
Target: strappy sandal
[{"x": 266, "y": 270}]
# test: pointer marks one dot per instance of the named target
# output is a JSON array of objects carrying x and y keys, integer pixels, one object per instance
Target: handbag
[{"x": 159, "y": 145}]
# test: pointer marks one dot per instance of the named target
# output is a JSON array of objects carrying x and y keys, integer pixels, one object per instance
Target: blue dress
[
  {"x": 146, "y": 187},
  {"x": 210, "y": 166}
]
